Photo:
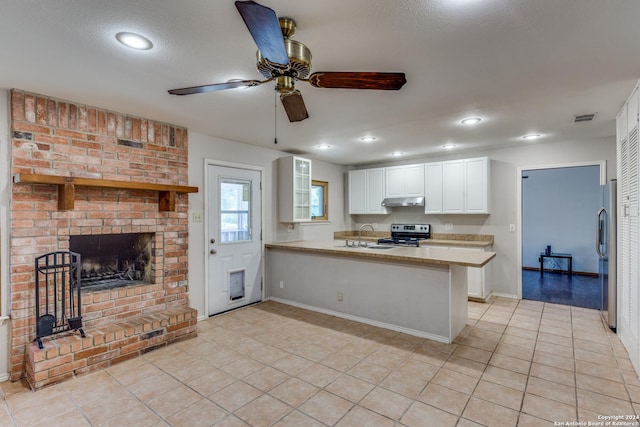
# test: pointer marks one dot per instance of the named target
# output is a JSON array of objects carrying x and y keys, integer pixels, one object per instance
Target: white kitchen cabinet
[
  {"x": 476, "y": 176},
  {"x": 294, "y": 189},
  {"x": 479, "y": 279},
  {"x": 357, "y": 191},
  {"x": 457, "y": 186},
  {"x": 433, "y": 188},
  {"x": 453, "y": 181},
  {"x": 394, "y": 180},
  {"x": 404, "y": 181},
  {"x": 367, "y": 191}
]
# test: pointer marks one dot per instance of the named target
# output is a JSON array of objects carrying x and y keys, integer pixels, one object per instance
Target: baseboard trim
[
  {"x": 575, "y": 273},
  {"x": 501, "y": 295},
  {"x": 364, "y": 320}
]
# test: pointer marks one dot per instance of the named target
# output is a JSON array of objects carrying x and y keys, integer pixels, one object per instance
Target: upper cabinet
[
  {"x": 433, "y": 187},
  {"x": 476, "y": 196},
  {"x": 457, "y": 186},
  {"x": 366, "y": 191},
  {"x": 405, "y": 181},
  {"x": 453, "y": 180},
  {"x": 449, "y": 187},
  {"x": 294, "y": 189}
]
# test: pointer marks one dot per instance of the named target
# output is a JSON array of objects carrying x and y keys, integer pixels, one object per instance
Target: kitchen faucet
[{"x": 360, "y": 233}]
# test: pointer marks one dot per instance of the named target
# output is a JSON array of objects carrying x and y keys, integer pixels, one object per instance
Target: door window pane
[{"x": 235, "y": 201}]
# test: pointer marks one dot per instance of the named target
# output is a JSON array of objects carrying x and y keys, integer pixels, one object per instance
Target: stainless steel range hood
[{"x": 403, "y": 201}]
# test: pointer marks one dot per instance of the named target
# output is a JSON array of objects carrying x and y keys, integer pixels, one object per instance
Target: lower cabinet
[{"x": 478, "y": 279}]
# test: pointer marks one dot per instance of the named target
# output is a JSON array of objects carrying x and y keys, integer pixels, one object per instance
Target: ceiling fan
[{"x": 286, "y": 61}]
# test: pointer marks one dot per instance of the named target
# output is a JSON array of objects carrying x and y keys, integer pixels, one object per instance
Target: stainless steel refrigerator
[{"x": 606, "y": 249}]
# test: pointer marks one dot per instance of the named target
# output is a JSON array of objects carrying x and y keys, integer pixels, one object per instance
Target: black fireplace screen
[{"x": 57, "y": 294}]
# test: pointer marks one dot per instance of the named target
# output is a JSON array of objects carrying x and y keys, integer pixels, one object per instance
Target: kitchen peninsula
[{"x": 421, "y": 291}]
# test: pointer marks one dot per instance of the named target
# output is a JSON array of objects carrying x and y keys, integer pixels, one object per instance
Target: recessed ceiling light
[
  {"x": 531, "y": 136},
  {"x": 134, "y": 41},
  {"x": 368, "y": 138},
  {"x": 323, "y": 146},
  {"x": 449, "y": 146},
  {"x": 397, "y": 154},
  {"x": 471, "y": 121}
]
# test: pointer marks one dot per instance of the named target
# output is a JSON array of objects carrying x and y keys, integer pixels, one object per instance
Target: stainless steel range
[{"x": 407, "y": 234}]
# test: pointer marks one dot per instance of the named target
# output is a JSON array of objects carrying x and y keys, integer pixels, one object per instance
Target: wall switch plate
[
  {"x": 197, "y": 217},
  {"x": 339, "y": 296},
  {"x": 512, "y": 228},
  {"x": 448, "y": 226},
  {"x": 281, "y": 284}
]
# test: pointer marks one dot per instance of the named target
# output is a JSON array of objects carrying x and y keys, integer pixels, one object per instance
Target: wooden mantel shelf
[{"x": 66, "y": 188}]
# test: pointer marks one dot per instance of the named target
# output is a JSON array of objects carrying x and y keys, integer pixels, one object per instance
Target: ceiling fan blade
[
  {"x": 263, "y": 25},
  {"x": 215, "y": 87},
  {"x": 357, "y": 80},
  {"x": 294, "y": 106}
]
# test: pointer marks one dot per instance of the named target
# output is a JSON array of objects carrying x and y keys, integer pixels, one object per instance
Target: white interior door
[{"x": 234, "y": 228}]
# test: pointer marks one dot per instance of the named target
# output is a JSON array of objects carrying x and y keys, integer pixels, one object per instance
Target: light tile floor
[{"x": 524, "y": 363}]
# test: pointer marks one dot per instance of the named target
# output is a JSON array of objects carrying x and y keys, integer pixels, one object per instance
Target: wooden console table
[{"x": 568, "y": 257}]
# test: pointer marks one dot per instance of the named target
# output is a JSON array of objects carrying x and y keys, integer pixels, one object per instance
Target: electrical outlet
[
  {"x": 448, "y": 226},
  {"x": 339, "y": 296},
  {"x": 281, "y": 284},
  {"x": 512, "y": 228},
  {"x": 290, "y": 228}
]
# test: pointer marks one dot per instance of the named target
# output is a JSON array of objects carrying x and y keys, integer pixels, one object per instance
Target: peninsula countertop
[{"x": 413, "y": 255}]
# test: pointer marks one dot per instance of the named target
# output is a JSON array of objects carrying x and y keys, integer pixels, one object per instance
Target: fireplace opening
[{"x": 113, "y": 260}]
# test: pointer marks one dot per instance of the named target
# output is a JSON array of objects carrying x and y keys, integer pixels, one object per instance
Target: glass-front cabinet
[{"x": 294, "y": 185}]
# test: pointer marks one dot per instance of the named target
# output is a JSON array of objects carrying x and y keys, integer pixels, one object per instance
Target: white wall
[
  {"x": 504, "y": 198},
  {"x": 559, "y": 208},
  {"x": 203, "y": 147}
]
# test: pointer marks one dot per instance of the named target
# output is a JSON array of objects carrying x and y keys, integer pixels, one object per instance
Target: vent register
[{"x": 584, "y": 118}]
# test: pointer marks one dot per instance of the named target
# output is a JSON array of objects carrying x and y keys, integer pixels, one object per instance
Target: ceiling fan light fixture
[
  {"x": 471, "y": 120},
  {"x": 134, "y": 41},
  {"x": 368, "y": 138}
]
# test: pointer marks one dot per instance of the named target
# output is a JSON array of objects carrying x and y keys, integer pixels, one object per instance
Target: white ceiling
[{"x": 523, "y": 66}]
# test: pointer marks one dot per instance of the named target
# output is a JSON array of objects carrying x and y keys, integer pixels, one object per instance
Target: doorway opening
[{"x": 558, "y": 220}]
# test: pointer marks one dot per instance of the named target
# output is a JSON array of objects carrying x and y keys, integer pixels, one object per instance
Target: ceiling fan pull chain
[{"x": 275, "y": 118}]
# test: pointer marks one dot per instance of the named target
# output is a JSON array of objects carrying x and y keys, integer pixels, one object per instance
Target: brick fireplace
[{"x": 54, "y": 137}]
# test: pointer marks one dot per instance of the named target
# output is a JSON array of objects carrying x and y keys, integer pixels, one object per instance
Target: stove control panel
[{"x": 410, "y": 228}]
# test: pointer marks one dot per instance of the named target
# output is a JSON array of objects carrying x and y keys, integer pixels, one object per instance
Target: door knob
[
  {"x": 213, "y": 252},
  {"x": 213, "y": 240}
]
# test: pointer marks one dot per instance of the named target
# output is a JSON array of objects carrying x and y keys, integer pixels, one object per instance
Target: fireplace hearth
[{"x": 113, "y": 260}]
